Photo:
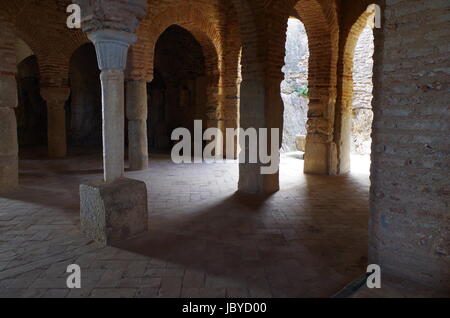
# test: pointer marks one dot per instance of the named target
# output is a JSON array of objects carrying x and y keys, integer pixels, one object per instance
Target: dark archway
[
  {"x": 347, "y": 118},
  {"x": 31, "y": 111},
  {"x": 84, "y": 108},
  {"x": 178, "y": 93}
]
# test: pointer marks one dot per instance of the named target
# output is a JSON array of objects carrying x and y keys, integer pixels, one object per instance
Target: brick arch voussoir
[
  {"x": 351, "y": 41},
  {"x": 322, "y": 27},
  {"x": 252, "y": 65},
  {"x": 187, "y": 17}
]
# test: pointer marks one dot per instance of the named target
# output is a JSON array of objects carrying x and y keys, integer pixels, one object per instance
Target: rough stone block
[
  {"x": 114, "y": 212},
  {"x": 301, "y": 143},
  {"x": 316, "y": 158}
]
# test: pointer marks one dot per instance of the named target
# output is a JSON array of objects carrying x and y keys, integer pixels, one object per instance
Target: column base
[
  {"x": 112, "y": 213},
  {"x": 9, "y": 176},
  {"x": 251, "y": 181},
  {"x": 320, "y": 158}
]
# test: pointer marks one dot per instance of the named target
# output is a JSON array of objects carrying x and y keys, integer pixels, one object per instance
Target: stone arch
[{"x": 344, "y": 115}]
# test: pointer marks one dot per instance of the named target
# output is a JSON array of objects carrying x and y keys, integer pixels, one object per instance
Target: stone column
[
  {"x": 112, "y": 48},
  {"x": 137, "y": 111},
  {"x": 115, "y": 209},
  {"x": 214, "y": 110},
  {"x": 9, "y": 171},
  {"x": 321, "y": 150},
  {"x": 56, "y": 98},
  {"x": 259, "y": 97}
]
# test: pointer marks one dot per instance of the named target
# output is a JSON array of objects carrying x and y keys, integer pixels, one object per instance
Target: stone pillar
[
  {"x": 214, "y": 110},
  {"x": 112, "y": 47},
  {"x": 137, "y": 111},
  {"x": 115, "y": 209},
  {"x": 56, "y": 98},
  {"x": 9, "y": 175},
  {"x": 259, "y": 97},
  {"x": 321, "y": 150},
  {"x": 9, "y": 172}
]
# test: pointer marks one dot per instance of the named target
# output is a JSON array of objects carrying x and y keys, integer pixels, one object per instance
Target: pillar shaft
[
  {"x": 113, "y": 123},
  {"x": 321, "y": 150},
  {"x": 259, "y": 98},
  {"x": 56, "y": 120},
  {"x": 137, "y": 112},
  {"x": 9, "y": 176},
  {"x": 112, "y": 48},
  {"x": 9, "y": 173}
]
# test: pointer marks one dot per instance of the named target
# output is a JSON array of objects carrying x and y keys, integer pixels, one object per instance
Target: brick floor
[{"x": 308, "y": 240}]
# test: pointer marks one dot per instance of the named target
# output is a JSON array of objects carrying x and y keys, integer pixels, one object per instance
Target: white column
[{"x": 112, "y": 48}]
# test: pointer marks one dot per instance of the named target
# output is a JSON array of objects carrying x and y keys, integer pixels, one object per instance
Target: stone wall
[
  {"x": 295, "y": 82},
  {"x": 410, "y": 194},
  {"x": 362, "y": 93}
]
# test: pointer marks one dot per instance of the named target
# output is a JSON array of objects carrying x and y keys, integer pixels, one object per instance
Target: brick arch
[
  {"x": 210, "y": 49},
  {"x": 322, "y": 27},
  {"x": 52, "y": 53},
  {"x": 349, "y": 51},
  {"x": 191, "y": 18},
  {"x": 352, "y": 40},
  {"x": 249, "y": 31},
  {"x": 345, "y": 93},
  {"x": 320, "y": 18},
  {"x": 51, "y": 65}
]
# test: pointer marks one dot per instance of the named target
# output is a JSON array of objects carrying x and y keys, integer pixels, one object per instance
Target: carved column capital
[
  {"x": 112, "y": 48},
  {"x": 55, "y": 96}
]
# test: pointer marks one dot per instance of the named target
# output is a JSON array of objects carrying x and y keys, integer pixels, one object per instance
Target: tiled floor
[
  {"x": 393, "y": 287},
  {"x": 308, "y": 240}
]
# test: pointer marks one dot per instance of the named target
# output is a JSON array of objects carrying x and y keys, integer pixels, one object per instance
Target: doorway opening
[
  {"x": 178, "y": 93},
  {"x": 294, "y": 93},
  {"x": 362, "y": 113}
]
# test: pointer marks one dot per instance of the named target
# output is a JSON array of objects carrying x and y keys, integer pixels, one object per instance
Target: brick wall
[{"x": 410, "y": 195}]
